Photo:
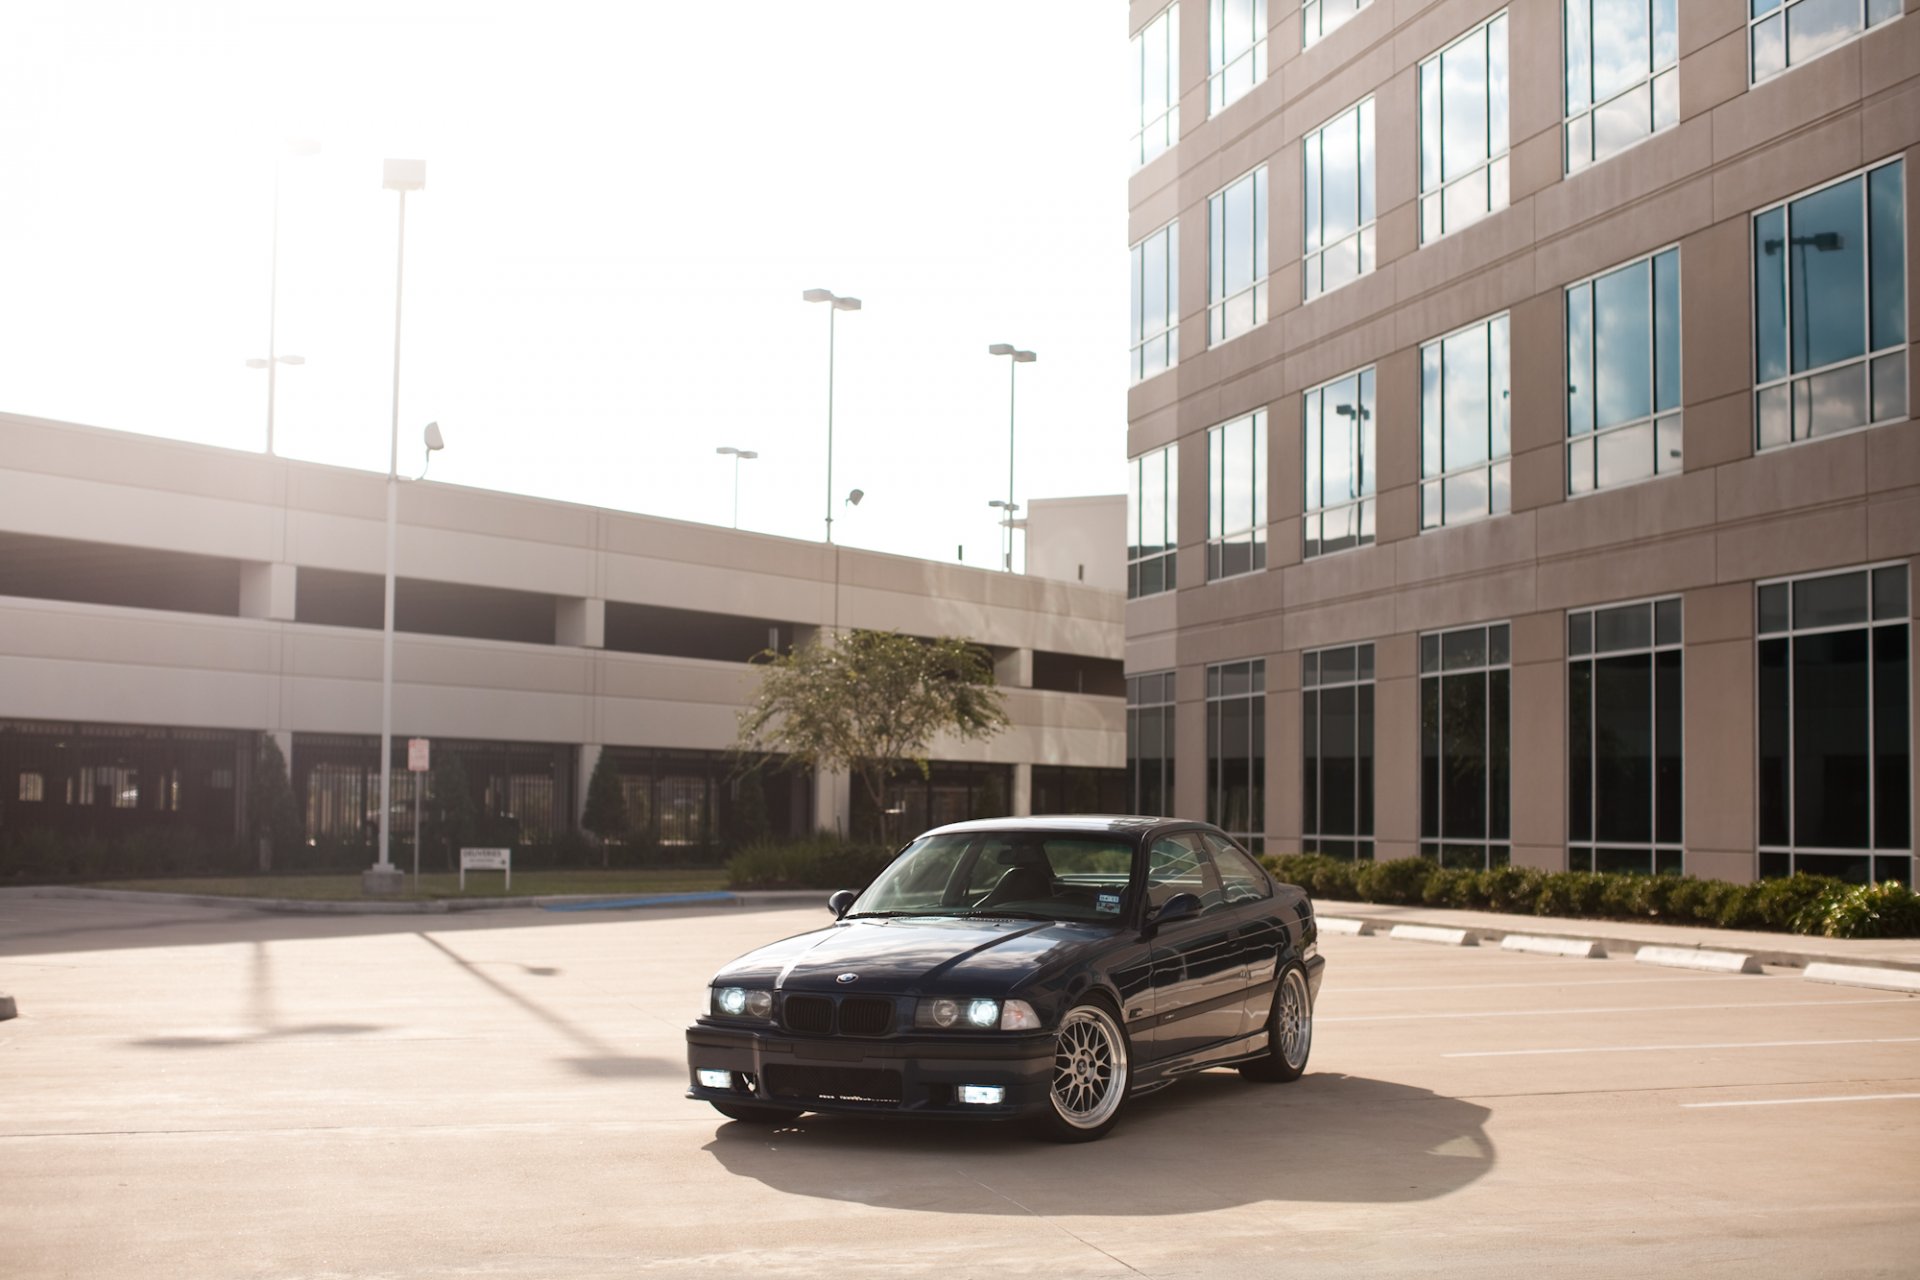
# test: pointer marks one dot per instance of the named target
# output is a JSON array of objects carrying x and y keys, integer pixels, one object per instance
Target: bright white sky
[{"x": 624, "y": 202}]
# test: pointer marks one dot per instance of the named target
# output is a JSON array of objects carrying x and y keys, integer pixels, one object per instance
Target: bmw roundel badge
[{"x": 845, "y": 978}]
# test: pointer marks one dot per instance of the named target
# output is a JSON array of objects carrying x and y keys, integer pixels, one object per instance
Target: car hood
[{"x": 980, "y": 957}]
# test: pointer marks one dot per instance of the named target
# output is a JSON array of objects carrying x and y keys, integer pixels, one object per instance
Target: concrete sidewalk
[
  {"x": 436, "y": 906},
  {"x": 1625, "y": 936}
]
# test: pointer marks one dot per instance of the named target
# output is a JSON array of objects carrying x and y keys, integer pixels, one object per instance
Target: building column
[
  {"x": 1013, "y": 668},
  {"x": 580, "y": 623},
  {"x": 267, "y": 590},
  {"x": 1022, "y": 799},
  {"x": 833, "y": 801}
]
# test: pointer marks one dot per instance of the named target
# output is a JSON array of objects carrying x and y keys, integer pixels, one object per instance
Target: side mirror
[
  {"x": 841, "y": 902},
  {"x": 1178, "y": 907}
]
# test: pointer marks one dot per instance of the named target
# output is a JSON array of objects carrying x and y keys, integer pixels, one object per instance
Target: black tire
[
  {"x": 1289, "y": 1031},
  {"x": 1091, "y": 1075},
  {"x": 749, "y": 1114}
]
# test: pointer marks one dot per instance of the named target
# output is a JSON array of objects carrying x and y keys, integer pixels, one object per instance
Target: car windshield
[{"x": 1018, "y": 874}]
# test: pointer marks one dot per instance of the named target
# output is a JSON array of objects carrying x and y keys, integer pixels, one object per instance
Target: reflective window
[
  {"x": 1237, "y": 750},
  {"x": 1150, "y": 743},
  {"x": 1241, "y": 878},
  {"x": 1465, "y": 428},
  {"x": 1321, "y": 18},
  {"x": 1155, "y": 64},
  {"x": 1236, "y": 49},
  {"x": 1786, "y": 33},
  {"x": 1339, "y": 200},
  {"x": 1836, "y": 776},
  {"x": 1177, "y": 864},
  {"x": 1336, "y": 751},
  {"x": 1463, "y": 130},
  {"x": 1237, "y": 258},
  {"x": 1625, "y": 786},
  {"x": 1154, "y": 315},
  {"x": 1339, "y": 432},
  {"x": 1153, "y": 522},
  {"x": 1623, "y": 82},
  {"x": 1623, "y": 375},
  {"x": 1830, "y": 308},
  {"x": 1465, "y": 741},
  {"x": 1237, "y": 496}
]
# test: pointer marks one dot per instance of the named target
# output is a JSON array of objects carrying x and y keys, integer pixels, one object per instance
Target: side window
[
  {"x": 1241, "y": 878},
  {"x": 1176, "y": 864}
]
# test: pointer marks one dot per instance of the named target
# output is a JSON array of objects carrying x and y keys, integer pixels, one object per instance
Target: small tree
[
  {"x": 606, "y": 812},
  {"x": 871, "y": 702},
  {"x": 749, "y": 823},
  {"x": 454, "y": 815},
  {"x": 270, "y": 809}
]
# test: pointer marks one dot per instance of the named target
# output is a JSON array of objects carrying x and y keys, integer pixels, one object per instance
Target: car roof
[{"x": 1133, "y": 826}]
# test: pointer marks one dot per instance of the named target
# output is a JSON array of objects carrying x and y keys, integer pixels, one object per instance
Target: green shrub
[
  {"x": 1507, "y": 888},
  {"x": 1404, "y": 880},
  {"x": 824, "y": 861},
  {"x": 1687, "y": 899},
  {"x": 1450, "y": 887},
  {"x": 1781, "y": 902},
  {"x": 1885, "y": 910},
  {"x": 1319, "y": 875},
  {"x": 1570, "y": 893}
]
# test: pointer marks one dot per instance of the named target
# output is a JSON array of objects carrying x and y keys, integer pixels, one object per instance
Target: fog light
[
  {"x": 715, "y": 1079},
  {"x": 982, "y": 1095}
]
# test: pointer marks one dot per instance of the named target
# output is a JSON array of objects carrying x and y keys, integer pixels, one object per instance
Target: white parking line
[
  {"x": 1794, "y": 1102},
  {"x": 1663, "y": 1048},
  {"x": 1635, "y": 1008},
  {"x": 1509, "y": 986}
]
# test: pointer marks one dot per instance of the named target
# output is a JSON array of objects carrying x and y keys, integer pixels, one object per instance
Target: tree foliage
[
  {"x": 453, "y": 817},
  {"x": 872, "y": 703},
  {"x": 606, "y": 811},
  {"x": 270, "y": 806}
]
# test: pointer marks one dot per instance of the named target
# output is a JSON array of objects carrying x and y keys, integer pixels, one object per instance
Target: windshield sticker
[{"x": 1108, "y": 904}]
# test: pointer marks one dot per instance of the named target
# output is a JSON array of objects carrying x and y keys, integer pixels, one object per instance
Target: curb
[
  {"x": 1571, "y": 948},
  {"x": 8, "y": 1009},
  {"x": 1861, "y": 975},
  {"x": 1697, "y": 958},
  {"x": 433, "y": 907},
  {"x": 1433, "y": 933}
]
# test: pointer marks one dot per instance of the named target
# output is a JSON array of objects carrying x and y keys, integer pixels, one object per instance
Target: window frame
[
  {"x": 1219, "y": 65},
  {"x": 1168, "y": 555},
  {"x": 1219, "y": 534},
  {"x": 1871, "y": 355},
  {"x": 1493, "y": 462},
  {"x": 1781, "y": 9},
  {"x": 1318, "y": 8},
  {"x": 1497, "y": 164},
  {"x": 1489, "y": 844},
  {"x": 1169, "y": 120},
  {"x": 1137, "y": 266},
  {"x": 1366, "y": 503},
  {"x": 1256, "y": 699},
  {"x": 1658, "y": 416},
  {"x": 1313, "y": 836},
  {"x": 1653, "y": 75},
  {"x": 1366, "y": 199},
  {"x": 1259, "y": 286},
  {"x": 1655, "y": 846},
  {"x": 1793, "y": 849},
  {"x": 1137, "y": 701}
]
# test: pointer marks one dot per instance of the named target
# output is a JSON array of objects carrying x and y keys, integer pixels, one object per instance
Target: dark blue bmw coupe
[{"x": 1035, "y": 968}]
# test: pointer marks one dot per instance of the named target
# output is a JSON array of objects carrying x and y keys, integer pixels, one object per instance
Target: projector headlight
[
  {"x": 947, "y": 1013},
  {"x": 742, "y": 1002}
]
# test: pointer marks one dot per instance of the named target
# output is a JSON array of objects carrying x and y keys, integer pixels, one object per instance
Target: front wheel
[
  {"x": 1289, "y": 1032},
  {"x": 1090, "y": 1075},
  {"x": 747, "y": 1114}
]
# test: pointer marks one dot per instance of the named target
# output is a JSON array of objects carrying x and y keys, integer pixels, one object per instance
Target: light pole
[
  {"x": 1006, "y": 522},
  {"x": 1019, "y": 358},
  {"x": 739, "y": 456},
  {"x": 384, "y": 878},
  {"x": 294, "y": 147},
  {"x": 838, "y": 304}
]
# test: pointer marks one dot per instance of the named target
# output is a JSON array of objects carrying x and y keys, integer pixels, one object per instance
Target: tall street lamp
[
  {"x": 1019, "y": 358},
  {"x": 401, "y": 176},
  {"x": 839, "y": 304},
  {"x": 294, "y": 147},
  {"x": 739, "y": 456}
]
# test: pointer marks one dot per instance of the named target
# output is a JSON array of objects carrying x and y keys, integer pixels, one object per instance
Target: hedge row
[
  {"x": 825, "y": 861},
  {"x": 1799, "y": 904}
]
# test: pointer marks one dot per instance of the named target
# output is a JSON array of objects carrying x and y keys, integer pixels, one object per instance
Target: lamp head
[
  {"x": 404, "y": 175},
  {"x": 817, "y": 295},
  {"x": 846, "y": 304},
  {"x": 853, "y": 499},
  {"x": 291, "y": 359},
  {"x": 1024, "y": 357},
  {"x": 435, "y": 441},
  {"x": 1000, "y": 349},
  {"x": 746, "y": 454}
]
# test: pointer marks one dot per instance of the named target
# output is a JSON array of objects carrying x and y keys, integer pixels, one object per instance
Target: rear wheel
[
  {"x": 1090, "y": 1075},
  {"x": 1289, "y": 1031},
  {"x": 747, "y": 1114}
]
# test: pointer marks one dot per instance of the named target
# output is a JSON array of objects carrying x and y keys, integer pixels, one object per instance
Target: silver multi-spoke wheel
[
  {"x": 1293, "y": 1021},
  {"x": 1089, "y": 1068}
]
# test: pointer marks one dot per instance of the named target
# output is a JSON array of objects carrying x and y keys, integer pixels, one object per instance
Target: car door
[
  {"x": 1259, "y": 934},
  {"x": 1199, "y": 978}
]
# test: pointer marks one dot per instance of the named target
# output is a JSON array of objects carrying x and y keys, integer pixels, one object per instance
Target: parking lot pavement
[{"x": 204, "y": 1093}]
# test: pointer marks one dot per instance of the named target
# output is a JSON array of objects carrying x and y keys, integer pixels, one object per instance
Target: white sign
[
  {"x": 417, "y": 755},
  {"x": 485, "y": 860}
]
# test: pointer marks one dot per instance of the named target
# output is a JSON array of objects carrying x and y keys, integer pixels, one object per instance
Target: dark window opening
[
  {"x": 691, "y": 633},
  {"x": 1073, "y": 673},
  {"x": 131, "y": 577},
  {"x": 334, "y": 598}
]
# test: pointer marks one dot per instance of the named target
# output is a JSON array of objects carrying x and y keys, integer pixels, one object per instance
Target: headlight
[
  {"x": 944, "y": 1013},
  {"x": 739, "y": 1002}
]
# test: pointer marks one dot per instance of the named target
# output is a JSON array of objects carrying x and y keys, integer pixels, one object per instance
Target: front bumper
[{"x": 895, "y": 1075}]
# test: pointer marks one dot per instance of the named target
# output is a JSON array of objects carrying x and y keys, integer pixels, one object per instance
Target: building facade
[
  {"x": 1523, "y": 458},
  {"x": 163, "y": 606}
]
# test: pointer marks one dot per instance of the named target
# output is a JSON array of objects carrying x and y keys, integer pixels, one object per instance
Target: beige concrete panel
[
  {"x": 632, "y": 579},
  {"x": 1343, "y": 622},
  {"x": 1154, "y": 199},
  {"x": 1716, "y": 614},
  {"x": 54, "y": 688},
  {"x": 1649, "y": 509},
  {"x": 1474, "y": 547},
  {"x": 1398, "y": 515},
  {"x": 1540, "y": 857},
  {"x": 1739, "y": 866},
  {"x": 57, "y": 506},
  {"x": 1156, "y": 430},
  {"x": 1538, "y": 358},
  {"x": 1789, "y": 166},
  {"x": 1889, "y": 55},
  {"x": 1540, "y": 637},
  {"x": 1718, "y": 432},
  {"x": 1719, "y": 743},
  {"x": 714, "y": 547},
  {"x": 1651, "y": 222},
  {"x": 1716, "y": 274},
  {"x": 1190, "y": 751},
  {"x": 1365, "y": 301},
  {"x": 1539, "y": 478},
  {"x": 116, "y": 458},
  {"x": 1283, "y": 759},
  {"x": 1893, "y": 526},
  {"x": 1465, "y": 254},
  {"x": 1483, "y": 294},
  {"x": 1774, "y": 108},
  {"x": 267, "y": 591},
  {"x": 1337, "y": 81},
  {"x": 350, "y": 653},
  {"x": 1157, "y": 653},
  {"x": 686, "y": 680},
  {"x": 695, "y": 726},
  {"x": 1630, "y": 573},
  {"x": 1328, "y": 353},
  {"x": 1539, "y": 754},
  {"x": 459, "y": 509},
  {"x": 1343, "y": 575},
  {"x": 1535, "y": 165},
  {"x": 1151, "y": 616},
  {"x": 480, "y": 559},
  {"x": 1284, "y": 543},
  {"x": 1485, "y": 597},
  {"x": 1396, "y": 140},
  {"x": 1704, "y": 21},
  {"x": 1887, "y": 126},
  {"x": 1231, "y": 598},
  {"x": 1712, "y": 74},
  {"x": 326, "y": 705},
  {"x": 1426, "y": 29},
  {"x": 107, "y": 635},
  {"x": 1396, "y": 389},
  {"x": 1535, "y": 97},
  {"x": 1396, "y": 755},
  {"x": 1193, "y": 507},
  {"x": 1793, "y": 544},
  {"x": 1161, "y": 392},
  {"x": 1253, "y": 637},
  {"x": 1800, "y": 475},
  {"x": 1893, "y": 454},
  {"x": 1397, "y": 233},
  {"x": 1190, "y": 558},
  {"x": 1397, "y": 657}
]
